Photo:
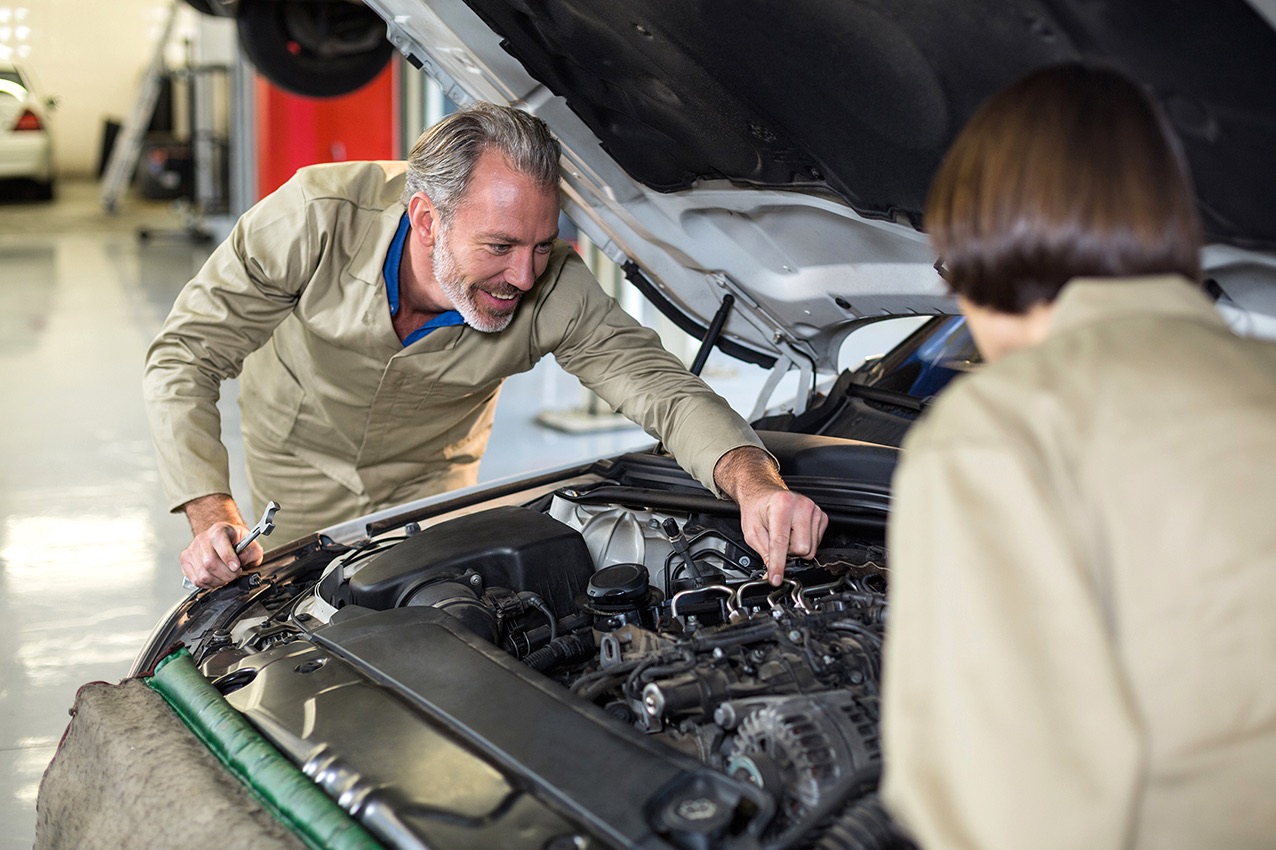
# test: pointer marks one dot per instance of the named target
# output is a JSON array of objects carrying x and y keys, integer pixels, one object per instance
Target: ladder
[{"x": 128, "y": 145}]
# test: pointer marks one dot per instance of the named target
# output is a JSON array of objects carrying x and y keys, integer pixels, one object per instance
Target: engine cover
[{"x": 506, "y": 546}]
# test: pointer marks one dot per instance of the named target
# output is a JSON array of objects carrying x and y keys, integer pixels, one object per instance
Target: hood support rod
[{"x": 712, "y": 334}]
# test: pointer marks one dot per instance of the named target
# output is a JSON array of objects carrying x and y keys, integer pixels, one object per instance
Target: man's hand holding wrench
[{"x": 223, "y": 547}]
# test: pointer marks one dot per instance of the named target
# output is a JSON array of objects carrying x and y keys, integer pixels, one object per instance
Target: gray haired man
[{"x": 375, "y": 308}]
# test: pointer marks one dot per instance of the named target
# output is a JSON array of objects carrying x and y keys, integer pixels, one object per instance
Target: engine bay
[{"x": 647, "y": 606}]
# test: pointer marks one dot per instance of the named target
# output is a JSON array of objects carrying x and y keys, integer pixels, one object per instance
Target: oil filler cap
[{"x": 619, "y": 586}]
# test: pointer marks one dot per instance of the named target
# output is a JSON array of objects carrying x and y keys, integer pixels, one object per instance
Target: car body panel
[{"x": 26, "y": 153}]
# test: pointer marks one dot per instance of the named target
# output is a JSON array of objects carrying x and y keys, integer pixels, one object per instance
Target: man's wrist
[
  {"x": 746, "y": 467},
  {"x": 206, "y": 511}
]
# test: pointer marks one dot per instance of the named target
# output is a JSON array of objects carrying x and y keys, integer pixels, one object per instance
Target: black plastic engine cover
[
  {"x": 567, "y": 755},
  {"x": 511, "y": 547}
]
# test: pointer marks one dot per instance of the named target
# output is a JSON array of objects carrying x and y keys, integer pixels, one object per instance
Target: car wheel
[
  {"x": 315, "y": 48},
  {"x": 204, "y": 7}
]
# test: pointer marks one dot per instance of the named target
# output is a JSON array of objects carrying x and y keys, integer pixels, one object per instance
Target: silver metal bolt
[{"x": 699, "y": 808}]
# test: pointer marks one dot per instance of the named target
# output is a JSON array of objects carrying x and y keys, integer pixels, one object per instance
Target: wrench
[{"x": 265, "y": 526}]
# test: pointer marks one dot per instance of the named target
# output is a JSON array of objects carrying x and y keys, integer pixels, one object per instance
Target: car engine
[
  {"x": 662, "y": 619},
  {"x": 597, "y": 660}
]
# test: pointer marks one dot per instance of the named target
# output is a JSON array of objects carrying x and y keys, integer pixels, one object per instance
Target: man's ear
[{"x": 423, "y": 217}]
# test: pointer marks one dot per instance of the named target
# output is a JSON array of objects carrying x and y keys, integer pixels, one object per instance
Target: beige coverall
[
  {"x": 1082, "y": 644},
  {"x": 339, "y": 418}
]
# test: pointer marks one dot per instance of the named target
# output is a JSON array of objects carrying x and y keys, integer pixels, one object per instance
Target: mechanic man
[
  {"x": 1083, "y": 557},
  {"x": 375, "y": 309}
]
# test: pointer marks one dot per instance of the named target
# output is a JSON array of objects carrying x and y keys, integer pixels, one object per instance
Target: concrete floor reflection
[
  {"x": 84, "y": 539},
  {"x": 88, "y": 553}
]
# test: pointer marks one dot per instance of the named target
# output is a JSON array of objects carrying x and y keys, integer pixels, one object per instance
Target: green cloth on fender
[{"x": 280, "y": 786}]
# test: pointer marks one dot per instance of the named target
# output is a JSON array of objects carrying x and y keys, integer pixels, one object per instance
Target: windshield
[
  {"x": 11, "y": 83},
  {"x": 924, "y": 363}
]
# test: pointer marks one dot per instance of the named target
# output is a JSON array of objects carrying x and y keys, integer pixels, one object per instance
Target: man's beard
[{"x": 464, "y": 295}]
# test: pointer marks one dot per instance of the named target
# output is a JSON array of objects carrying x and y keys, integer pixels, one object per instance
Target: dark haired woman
[{"x": 1082, "y": 646}]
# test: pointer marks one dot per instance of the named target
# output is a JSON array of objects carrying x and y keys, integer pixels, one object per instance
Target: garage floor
[{"x": 88, "y": 553}]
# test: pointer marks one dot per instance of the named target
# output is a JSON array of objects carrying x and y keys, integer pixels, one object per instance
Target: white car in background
[{"x": 26, "y": 149}]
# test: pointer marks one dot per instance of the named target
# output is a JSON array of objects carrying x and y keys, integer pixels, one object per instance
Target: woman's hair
[
  {"x": 1071, "y": 171},
  {"x": 442, "y": 161}
]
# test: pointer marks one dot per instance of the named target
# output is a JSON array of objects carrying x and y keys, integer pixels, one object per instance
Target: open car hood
[{"x": 780, "y": 153}]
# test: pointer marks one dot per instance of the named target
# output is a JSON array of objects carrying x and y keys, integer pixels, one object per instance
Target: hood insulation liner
[{"x": 862, "y": 97}]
